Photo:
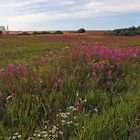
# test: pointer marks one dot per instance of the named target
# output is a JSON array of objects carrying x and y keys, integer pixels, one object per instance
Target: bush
[
  {"x": 46, "y": 32},
  {"x": 38, "y": 33},
  {"x": 82, "y": 30},
  {"x": 34, "y": 33},
  {"x": 127, "y": 31},
  {"x": 24, "y": 33},
  {"x": 58, "y": 32}
]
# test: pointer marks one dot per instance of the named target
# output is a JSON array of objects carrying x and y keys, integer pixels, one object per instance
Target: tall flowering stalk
[
  {"x": 13, "y": 69},
  {"x": 21, "y": 68},
  {"x": 10, "y": 70}
]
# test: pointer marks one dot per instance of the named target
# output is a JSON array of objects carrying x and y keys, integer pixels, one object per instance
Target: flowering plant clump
[
  {"x": 13, "y": 69},
  {"x": 89, "y": 50},
  {"x": 118, "y": 53}
]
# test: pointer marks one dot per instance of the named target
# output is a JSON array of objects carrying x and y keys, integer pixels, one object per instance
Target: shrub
[
  {"x": 127, "y": 31},
  {"x": 58, "y": 32},
  {"x": 34, "y": 33},
  {"x": 46, "y": 32},
  {"x": 82, "y": 30},
  {"x": 24, "y": 33},
  {"x": 38, "y": 33}
]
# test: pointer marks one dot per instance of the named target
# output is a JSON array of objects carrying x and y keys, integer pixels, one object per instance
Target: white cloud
[{"x": 20, "y": 14}]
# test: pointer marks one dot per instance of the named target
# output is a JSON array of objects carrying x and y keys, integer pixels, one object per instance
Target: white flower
[
  {"x": 77, "y": 94},
  {"x": 96, "y": 110},
  {"x": 44, "y": 136},
  {"x": 63, "y": 115},
  {"x": 19, "y": 136},
  {"x": 71, "y": 108},
  {"x": 60, "y": 132},
  {"x": 76, "y": 124},
  {"x": 69, "y": 122},
  {"x": 15, "y": 133},
  {"x": 38, "y": 135},
  {"x": 63, "y": 121},
  {"x": 14, "y": 137},
  {"x": 44, "y": 132},
  {"x": 35, "y": 135},
  {"x": 9, "y": 97}
]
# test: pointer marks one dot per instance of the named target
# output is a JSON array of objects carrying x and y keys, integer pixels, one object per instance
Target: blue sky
[{"x": 69, "y": 14}]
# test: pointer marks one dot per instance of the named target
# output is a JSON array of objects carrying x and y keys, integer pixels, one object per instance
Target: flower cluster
[
  {"x": 116, "y": 53},
  {"x": 15, "y": 136},
  {"x": 88, "y": 50},
  {"x": 13, "y": 69}
]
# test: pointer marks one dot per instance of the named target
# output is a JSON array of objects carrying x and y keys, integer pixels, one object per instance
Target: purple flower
[
  {"x": 10, "y": 70},
  {"x": 13, "y": 69},
  {"x": 77, "y": 104},
  {"x": 58, "y": 83},
  {"x": 109, "y": 74},
  {"x": 21, "y": 68},
  {"x": 1, "y": 72}
]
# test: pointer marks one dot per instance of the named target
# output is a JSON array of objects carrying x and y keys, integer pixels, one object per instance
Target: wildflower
[
  {"x": 109, "y": 74},
  {"x": 96, "y": 110},
  {"x": 71, "y": 108},
  {"x": 60, "y": 132},
  {"x": 38, "y": 135},
  {"x": 9, "y": 97},
  {"x": 63, "y": 115},
  {"x": 45, "y": 135},
  {"x": 78, "y": 104},
  {"x": 76, "y": 124},
  {"x": 85, "y": 100},
  {"x": 77, "y": 94},
  {"x": 1, "y": 72},
  {"x": 19, "y": 136},
  {"x": 10, "y": 70},
  {"x": 21, "y": 68},
  {"x": 58, "y": 83},
  {"x": 69, "y": 122}
]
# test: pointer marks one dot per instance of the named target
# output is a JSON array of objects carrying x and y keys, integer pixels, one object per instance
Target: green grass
[
  {"x": 54, "y": 94},
  {"x": 23, "y": 49}
]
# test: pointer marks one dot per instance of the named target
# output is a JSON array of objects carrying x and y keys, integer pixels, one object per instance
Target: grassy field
[{"x": 70, "y": 87}]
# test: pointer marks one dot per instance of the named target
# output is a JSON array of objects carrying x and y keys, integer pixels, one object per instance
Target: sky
[{"x": 69, "y": 14}]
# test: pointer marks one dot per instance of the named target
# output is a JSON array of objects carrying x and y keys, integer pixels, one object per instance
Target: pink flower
[
  {"x": 109, "y": 74},
  {"x": 21, "y": 68},
  {"x": 58, "y": 83},
  {"x": 10, "y": 70},
  {"x": 77, "y": 104},
  {"x": 1, "y": 73}
]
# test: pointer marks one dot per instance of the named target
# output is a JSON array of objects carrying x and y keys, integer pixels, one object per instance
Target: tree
[
  {"x": 138, "y": 30},
  {"x": 2, "y": 28}
]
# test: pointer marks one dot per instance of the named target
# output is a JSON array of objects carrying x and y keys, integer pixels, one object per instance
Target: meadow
[{"x": 70, "y": 87}]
